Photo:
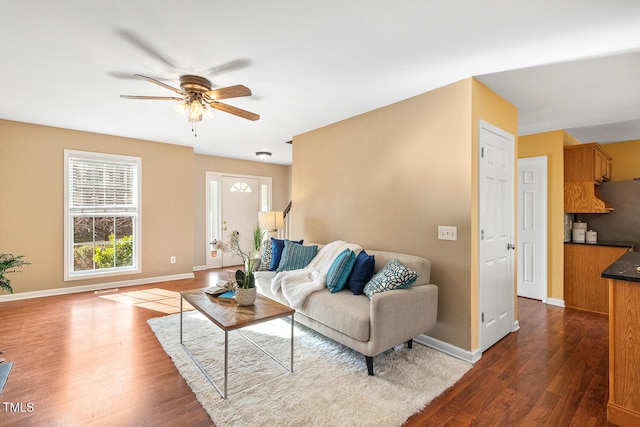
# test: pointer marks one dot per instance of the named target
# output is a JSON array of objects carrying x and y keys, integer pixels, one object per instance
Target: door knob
[{"x": 510, "y": 246}]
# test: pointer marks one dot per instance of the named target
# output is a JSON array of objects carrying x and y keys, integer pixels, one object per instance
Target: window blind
[{"x": 99, "y": 185}]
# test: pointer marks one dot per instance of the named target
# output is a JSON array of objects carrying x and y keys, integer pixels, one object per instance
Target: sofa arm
[{"x": 400, "y": 315}]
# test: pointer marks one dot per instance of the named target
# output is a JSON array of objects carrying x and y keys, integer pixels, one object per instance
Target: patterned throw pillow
[
  {"x": 265, "y": 260},
  {"x": 296, "y": 256},
  {"x": 392, "y": 276},
  {"x": 340, "y": 270}
]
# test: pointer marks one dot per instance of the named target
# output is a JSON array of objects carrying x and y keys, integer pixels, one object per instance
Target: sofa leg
[
  {"x": 369, "y": 360},
  {"x": 410, "y": 343}
]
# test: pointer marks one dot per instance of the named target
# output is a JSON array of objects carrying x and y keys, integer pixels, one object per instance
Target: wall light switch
[
  {"x": 172, "y": 260},
  {"x": 446, "y": 232}
]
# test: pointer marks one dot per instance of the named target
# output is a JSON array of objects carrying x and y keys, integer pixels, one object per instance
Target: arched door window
[{"x": 241, "y": 187}]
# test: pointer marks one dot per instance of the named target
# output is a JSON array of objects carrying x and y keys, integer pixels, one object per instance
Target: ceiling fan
[{"x": 197, "y": 98}]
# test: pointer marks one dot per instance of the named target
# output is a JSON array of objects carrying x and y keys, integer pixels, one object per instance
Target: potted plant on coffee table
[
  {"x": 245, "y": 280},
  {"x": 9, "y": 264}
]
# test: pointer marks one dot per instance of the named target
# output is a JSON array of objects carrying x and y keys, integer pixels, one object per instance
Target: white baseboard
[
  {"x": 451, "y": 350},
  {"x": 98, "y": 286},
  {"x": 556, "y": 302},
  {"x": 199, "y": 267},
  {"x": 516, "y": 326}
]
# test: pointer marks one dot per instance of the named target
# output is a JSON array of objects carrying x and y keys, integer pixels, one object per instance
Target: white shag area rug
[{"x": 329, "y": 385}]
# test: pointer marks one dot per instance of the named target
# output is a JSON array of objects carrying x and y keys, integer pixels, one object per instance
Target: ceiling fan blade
[
  {"x": 236, "y": 64},
  {"x": 164, "y": 98},
  {"x": 229, "y": 92},
  {"x": 144, "y": 45},
  {"x": 159, "y": 83},
  {"x": 235, "y": 111}
]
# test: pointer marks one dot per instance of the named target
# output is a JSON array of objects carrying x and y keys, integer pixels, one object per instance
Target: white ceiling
[{"x": 570, "y": 64}]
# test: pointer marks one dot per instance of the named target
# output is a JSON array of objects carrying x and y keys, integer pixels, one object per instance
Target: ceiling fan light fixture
[
  {"x": 194, "y": 117},
  {"x": 195, "y": 109},
  {"x": 208, "y": 113},
  {"x": 182, "y": 108},
  {"x": 263, "y": 155},
  {"x": 197, "y": 99}
]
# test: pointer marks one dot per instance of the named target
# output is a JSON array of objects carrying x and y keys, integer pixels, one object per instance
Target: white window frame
[{"x": 69, "y": 213}]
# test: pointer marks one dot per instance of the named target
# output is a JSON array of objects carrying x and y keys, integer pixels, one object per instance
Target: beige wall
[
  {"x": 551, "y": 144},
  {"x": 32, "y": 212},
  {"x": 625, "y": 165},
  {"x": 281, "y": 191},
  {"x": 387, "y": 178}
]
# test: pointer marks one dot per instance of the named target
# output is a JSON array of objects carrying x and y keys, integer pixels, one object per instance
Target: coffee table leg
[
  {"x": 226, "y": 361},
  {"x": 291, "y": 343},
  {"x": 180, "y": 318}
]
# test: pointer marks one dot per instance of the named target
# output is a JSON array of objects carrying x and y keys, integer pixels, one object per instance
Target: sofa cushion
[
  {"x": 342, "y": 311},
  {"x": 277, "y": 246},
  {"x": 265, "y": 259},
  {"x": 296, "y": 256},
  {"x": 340, "y": 270},
  {"x": 362, "y": 272},
  {"x": 392, "y": 276}
]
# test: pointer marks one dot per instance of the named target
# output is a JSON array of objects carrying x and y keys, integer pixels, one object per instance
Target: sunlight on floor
[{"x": 155, "y": 299}]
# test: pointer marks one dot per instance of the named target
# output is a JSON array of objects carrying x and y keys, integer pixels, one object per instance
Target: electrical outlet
[
  {"x": 172, "y": 260},
  {"x": 446, "y": 232}
]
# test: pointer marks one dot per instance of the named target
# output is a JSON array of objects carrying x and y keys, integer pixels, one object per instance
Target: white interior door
[
  {"x": 240, "y": 206},
  {"x": 532, "y": 228},
  {"x": 232, "y": 203},
  {"x": 496, "y": 293}
]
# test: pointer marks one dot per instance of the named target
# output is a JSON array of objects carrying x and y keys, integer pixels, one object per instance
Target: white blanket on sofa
[{"x": 297, "y": 285}]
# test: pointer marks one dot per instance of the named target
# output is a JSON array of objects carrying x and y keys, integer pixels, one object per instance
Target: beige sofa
[{"x": 369, "y": 326}]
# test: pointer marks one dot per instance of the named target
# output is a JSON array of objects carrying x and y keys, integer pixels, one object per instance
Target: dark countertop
[
  {"x": 624, "y": 268},
  {"x": 605, "y": 243}
]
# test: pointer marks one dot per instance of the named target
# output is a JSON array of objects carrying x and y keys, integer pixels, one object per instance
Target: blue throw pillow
[
  {"x": 392, "y": 276},
  {"x": 362, "y": 272},
  {"x": 277, "y": 246},
  {"x": 295, "y": 256},
  {"x": 340, "y": 270}
]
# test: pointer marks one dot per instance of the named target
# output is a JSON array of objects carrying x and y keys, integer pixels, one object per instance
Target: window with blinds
[{"x": 102, "y": 199}]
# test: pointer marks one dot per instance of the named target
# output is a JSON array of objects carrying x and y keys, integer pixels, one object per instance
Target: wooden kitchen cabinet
[
  {"x": 586, "y": 163},
  {"x": 586, "y": 166},
  {"x": 623, "y": 408},
  {"x": 583, "y": 286}
]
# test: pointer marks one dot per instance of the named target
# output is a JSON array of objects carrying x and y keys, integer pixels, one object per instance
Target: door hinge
[
  {"x": 483, "y": 317},
  {"x": 482, "y": 234},
  {"x": 482, "y": 152}
]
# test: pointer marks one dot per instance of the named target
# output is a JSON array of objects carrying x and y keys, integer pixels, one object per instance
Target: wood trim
[{"x": 622, "y": 416}]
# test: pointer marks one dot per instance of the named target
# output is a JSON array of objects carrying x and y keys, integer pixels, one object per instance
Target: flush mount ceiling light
[
  {"x": 198, "y": 99},
  {"x": 263, "y": 155}
]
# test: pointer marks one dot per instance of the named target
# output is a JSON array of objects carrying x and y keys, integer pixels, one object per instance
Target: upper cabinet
[
  {"x": 601, "y": 164},
  {"x": 586, "y": 166},
  {"x": 586, "y": 162}
]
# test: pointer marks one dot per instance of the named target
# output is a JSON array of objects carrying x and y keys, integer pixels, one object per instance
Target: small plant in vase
[{"x": 245, "y": 280}]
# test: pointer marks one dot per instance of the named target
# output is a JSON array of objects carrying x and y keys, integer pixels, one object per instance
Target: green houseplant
[
  {"x": 244, "y": 278},
  {"x": 9, "y": 264}
]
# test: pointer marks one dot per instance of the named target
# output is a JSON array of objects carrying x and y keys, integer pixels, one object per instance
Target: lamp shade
[{"x": 271, "y": 220}]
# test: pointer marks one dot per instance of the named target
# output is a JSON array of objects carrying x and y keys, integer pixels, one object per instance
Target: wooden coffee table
[{"x": 228, "y": 316}]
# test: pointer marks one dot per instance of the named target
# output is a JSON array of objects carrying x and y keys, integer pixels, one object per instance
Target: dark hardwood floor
[
  {"x": 84, "y": 360},
  {"x": 552, "y": 372}
]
